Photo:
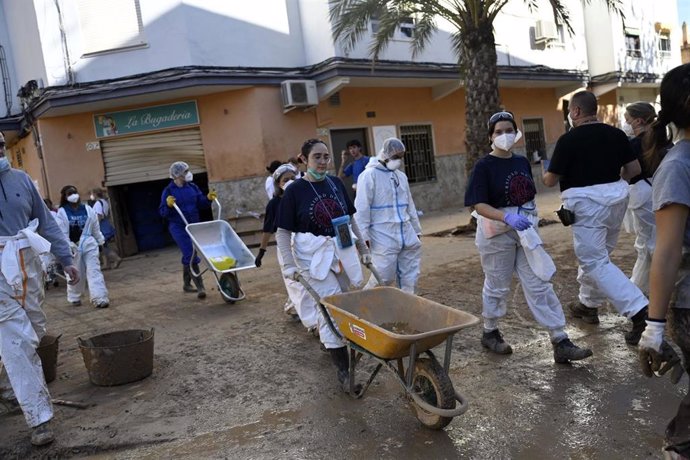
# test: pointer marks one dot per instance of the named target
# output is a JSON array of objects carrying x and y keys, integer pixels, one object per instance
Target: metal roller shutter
[{"x": 146, "y": 158}]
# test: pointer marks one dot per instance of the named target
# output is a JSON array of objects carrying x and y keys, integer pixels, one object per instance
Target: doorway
[
  {"x": 339, "y": 139},
  {"x": 140, "y": 226}
]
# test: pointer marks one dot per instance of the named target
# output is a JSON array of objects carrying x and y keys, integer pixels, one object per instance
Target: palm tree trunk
[{"x": 481, "y": 89}]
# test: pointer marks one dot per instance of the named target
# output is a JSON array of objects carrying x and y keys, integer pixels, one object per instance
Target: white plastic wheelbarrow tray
[{"x": 217, "y": 239}]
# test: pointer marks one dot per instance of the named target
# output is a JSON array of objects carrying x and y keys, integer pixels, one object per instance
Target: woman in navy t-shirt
[
  {"x": 501, "y": 190},
  {"x": 306, "y": 239}
]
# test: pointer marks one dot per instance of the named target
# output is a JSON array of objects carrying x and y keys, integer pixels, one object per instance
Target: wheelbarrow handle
[
  {"x": 324, "y": 312},
  {"x": 179, "y": 211},
  {"x": 374, "y": 272},
  {"x": 220, "y": 208}
]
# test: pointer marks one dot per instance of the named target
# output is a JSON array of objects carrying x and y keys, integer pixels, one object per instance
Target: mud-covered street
[{"x": 244, "y": 381}]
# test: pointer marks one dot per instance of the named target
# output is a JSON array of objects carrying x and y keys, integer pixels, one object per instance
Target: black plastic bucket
[
  {"x": 48, "y": 352},
  {"x": 118, "y": 357}
]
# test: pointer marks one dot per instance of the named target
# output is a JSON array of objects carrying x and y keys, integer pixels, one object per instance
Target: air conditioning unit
[
  {"x": 299, "y": 93},
  {"x": 545, "y": 31}
]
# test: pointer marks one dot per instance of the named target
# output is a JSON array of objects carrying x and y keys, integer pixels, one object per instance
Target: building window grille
[
  {"x": 535, "y": 141},
  {"x": 420, "y": 163},
  {"x": 632, "y": 45}
]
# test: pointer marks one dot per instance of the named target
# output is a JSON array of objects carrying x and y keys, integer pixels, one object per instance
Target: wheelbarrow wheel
[
  {"x": 229, "y": 286},
  {"x": 433, "y": 385}
]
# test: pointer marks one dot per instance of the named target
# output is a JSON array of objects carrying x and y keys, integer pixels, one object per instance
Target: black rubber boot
[
  {"x": 199, "y": 283},
  {"x": 187, "y": 280},
  {"x": 342, "y": 364},
  {"x": 639, "y": 324}
]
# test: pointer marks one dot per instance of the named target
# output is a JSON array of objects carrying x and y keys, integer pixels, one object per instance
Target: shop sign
[{"x": 147, "y": 119}]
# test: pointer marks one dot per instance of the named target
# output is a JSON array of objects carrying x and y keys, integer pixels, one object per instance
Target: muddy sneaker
[
  {"x": 566, "y": 351},
  {"x": 494, "y": 341},
  {"x": 104, "y": 304},
  {"x": 639, "y": 323},
  {"x": 586, "y": 314},
  {"x": 42, "y": 434}
]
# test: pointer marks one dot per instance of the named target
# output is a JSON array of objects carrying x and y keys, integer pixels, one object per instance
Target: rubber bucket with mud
[
  {"x": 118, "y": 357},
  {"x": 48, "y": 352}
]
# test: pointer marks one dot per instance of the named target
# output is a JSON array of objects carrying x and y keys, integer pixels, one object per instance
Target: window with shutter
[{"x": 110, "y": 26}]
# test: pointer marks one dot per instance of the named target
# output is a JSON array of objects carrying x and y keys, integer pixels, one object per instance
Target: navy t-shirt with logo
[
  {"x": 309, "y": 207},
  {"x": 501, "y": 182}
]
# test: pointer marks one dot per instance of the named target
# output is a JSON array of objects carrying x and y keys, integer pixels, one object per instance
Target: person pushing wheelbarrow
[{"x": 190, "y": 199}]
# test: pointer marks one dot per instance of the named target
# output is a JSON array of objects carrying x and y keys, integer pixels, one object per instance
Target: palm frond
[
  {"x": 425, "y": 26},
  {"x": 351, "y": 18}
]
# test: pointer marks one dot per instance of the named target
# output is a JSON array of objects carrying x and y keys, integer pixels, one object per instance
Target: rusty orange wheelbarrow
[{"x": 395, "y": 328}]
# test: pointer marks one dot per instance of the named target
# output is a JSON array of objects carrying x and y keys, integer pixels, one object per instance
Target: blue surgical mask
[
  {"x": 315, "y": 174},
  {"x": 4, "y": 164}
]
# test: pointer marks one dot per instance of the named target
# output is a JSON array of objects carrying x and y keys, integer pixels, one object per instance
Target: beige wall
[
  {"x": 395, "y": 106},
  {"x": 244, "y": 130},
  {"x": 65, "y": 156},
  {"x": 30, "y": 162}
]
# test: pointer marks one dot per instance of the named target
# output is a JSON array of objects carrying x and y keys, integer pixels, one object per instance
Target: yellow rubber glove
[
  {"x": 170, "y": 201},
  {"x": 212, "y": 195}
]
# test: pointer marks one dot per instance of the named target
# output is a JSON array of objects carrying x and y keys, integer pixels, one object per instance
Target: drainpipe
[
  {"x": 39, "y": 150},
  {"x": 65, "y": 49}
]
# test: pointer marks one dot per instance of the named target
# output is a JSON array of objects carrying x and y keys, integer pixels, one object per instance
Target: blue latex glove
[{"x": 517, "y": 221}]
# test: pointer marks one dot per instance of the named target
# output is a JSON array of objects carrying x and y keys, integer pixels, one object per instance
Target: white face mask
[
  {"x": 73, "y": 198},
  {"x": 507, "y": 140},
  {"x": 287, "y": 184},
  {"x": 189, "y": 176},
  {"x": 394, "y": 164},
  {"x": 4, "y": 164},
  {"x": 628, "y": 129},
  {"x": 570, "y": 120}
]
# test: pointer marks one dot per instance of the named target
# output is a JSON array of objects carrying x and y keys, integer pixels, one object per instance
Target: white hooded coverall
[
  {"x": 86, "y": 258},
  {"x": 641, "y": 220},
  {"x": 599, "y": 211},
  {"x": 19, "y": 338},
  {"x": 387, "y": 217}
]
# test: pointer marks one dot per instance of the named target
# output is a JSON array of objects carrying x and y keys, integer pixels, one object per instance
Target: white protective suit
[
  {"x": 599, "y": 211},
  {"x": 319, "y": 259},
  {"x": 21, "y": 278},
  {"x": 639, "y": 219},
  {"x": 86, "y": 258},
  {"x": 307, "y": 312},
  {"x": 387, "y": 217},
  {"x": 502, "y": 251}
]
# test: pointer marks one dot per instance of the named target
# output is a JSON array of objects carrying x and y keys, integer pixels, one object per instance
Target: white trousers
[
  {"x": 88, "y": 262},
  {"x": 595, "y": 234},
  {"x": 396, "y": 265},
  {"x": 325, "y": 287},
  {"x": 307, "y": 313},
  {"x": 644, "y": 227},
  {"x": 22, "y": 325},
  {"x": 503, "y": 255}
]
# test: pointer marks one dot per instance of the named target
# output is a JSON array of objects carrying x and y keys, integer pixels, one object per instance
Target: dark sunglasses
[
  {"x": 499, "y": 116},
  {"x": 2, "y": 145}
]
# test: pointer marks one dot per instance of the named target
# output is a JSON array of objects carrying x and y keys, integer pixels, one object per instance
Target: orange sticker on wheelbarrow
[{"x": 358, "y": 331}]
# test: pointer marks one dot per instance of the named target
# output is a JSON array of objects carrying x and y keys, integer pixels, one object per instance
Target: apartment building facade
[{"x": 110, "y": 93}]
